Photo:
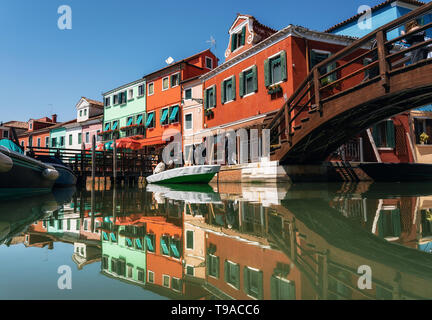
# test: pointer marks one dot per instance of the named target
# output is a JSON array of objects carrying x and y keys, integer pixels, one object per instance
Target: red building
[
  {"x": 164, "y": 95},
  {"x": 38, "y": 132},
  {"x": 263, "y": 68}
]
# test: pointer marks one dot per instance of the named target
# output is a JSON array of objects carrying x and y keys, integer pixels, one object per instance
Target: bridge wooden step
[
  {"x": 312, "y": 111},
  {"x": 305, "y": 120}
]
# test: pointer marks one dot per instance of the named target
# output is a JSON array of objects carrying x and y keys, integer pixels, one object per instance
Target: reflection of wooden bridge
[{"x": 328, "y": 109}]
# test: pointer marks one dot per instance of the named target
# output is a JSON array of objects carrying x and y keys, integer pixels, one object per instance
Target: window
[
  {"x": 129, "y": 271},
  {"x": 282, "y": 289},
  {"x": 130, "y": 94},
  {"x": 389, "y": 223},
  {"x": 190, "y": 270},
  {"x": 62, "y": 142},
  {"x": 151, "y": 276},
  {"x": 70, "y": 139},
  {"x": 39, "y": 142},
  {"x": 176, "y": 284},
  {"x": 87, "y": 137},
  {"x": 165, "y": 83},
  {"x": 80, "y": 113},
  {"x": 68, "y": 224},
  {"x": 164, "y": 242},
  {"x": 188, "y": 153},
  {"x": 253, "y": 283},
  {"x": 115, "y": 125},
  {"x": 115, "y": 99},
  {"x": 140, "y": 90},
  {"x": 228, "y": 90},
  {"x": 30, "y": 141},
  {"x": 79, "y": 138},
  {"x": 232, "y": 274},
  {"x": 85, "y": 112},
  {"x": 275, "y": 69},
  {"x": 423, "y": 127},
  {"x": 248, "y": 81},
  {"x": 209, "y": 63},
  {"x": 210, "y": 97},
  {"x": 31, "y": 126},
  {"x": 150, "y": 242},
  {"x": 77, "y": 225},
  {"x": 189, "y": 239},
  {"x": 188, "y": 121},
  {"x": 150, "y": 123},
  {"x": 141, "y": 274},
  {"x": 105, "y": 262},
  {"x": 47, "y": 142},
  {"x": 175, "y": 80},
  {"x": 174, "y": 114},
  {"x": 164, "y": 116},
  {"x": 188, "y": 94},
  {"x": 5, "y": 134},
  {"x": 212, "y": 266},
  {"x": 150, "y": 89},
  {"x": 122, "y": 97},
  {"x": 166, "y": 281},
  {"x": 22, "y": 144},
  {"x": 238, "y": 39},
  {"x": 316, "y": 57},
  {"x": 107, "y": 101},
  {"x": 384, "y": 134}
]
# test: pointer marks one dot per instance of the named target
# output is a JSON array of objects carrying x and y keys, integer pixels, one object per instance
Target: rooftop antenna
[
  {"x": 169, "y": 60},
  {"x": 212, "y": 42}
]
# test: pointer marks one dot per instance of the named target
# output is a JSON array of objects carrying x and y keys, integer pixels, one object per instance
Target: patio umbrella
[{"x": 127, "y": 143}]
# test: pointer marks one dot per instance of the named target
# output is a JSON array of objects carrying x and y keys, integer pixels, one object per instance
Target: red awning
[{"x": 151, "y": 142}]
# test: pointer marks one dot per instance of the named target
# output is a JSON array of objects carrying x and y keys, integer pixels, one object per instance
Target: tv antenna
[
  {"x": 169, "y": 60},
  {"x": 212, "y": 42}
]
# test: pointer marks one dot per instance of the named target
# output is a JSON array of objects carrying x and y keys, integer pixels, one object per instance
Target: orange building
[
  {"x": 38, "y": 133},
  {"x": 263, "y": 68},
  {"x": 164, "y": 95}
]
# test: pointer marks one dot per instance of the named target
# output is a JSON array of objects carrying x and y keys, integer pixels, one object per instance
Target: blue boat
[
  {"x": 66, "y": 177},
  {"x": 22, "y": 175}
]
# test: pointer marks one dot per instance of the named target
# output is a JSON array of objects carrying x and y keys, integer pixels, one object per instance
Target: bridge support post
[
  {"x": 383, "y": 65},
  {"x": 316, "y": 83}
]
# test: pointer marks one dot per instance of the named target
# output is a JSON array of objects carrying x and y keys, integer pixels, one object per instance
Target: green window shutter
[
  {"x": 267, "y": 72},
  {"x": 283, "y": 65},
  {"x": 237, "y": 276},
  {"x": 396, "y": 221},
  {"x": 376, "y": 135},
  {"x": 223, "y": 92},
  {"x": 241, "y": 84},
  {"x": 205, "y": 102},
  {"x": 172, "y": 80},
  {"x": 233, "y": 83},
  {"x": 255, "y": 78},
  {"x": 246, "y": 280},
  {"x": 274, "y": 288},
  {"x": 207, "y": 264},
  {"x": 243, "y": 36},
  {"x": 233, "y": 42},
  {"x": 260, "y": 286},
  {"x": 214, "y": 97},
  {"x": 226, "y": 266},
  {"x": 390, "y": 134},
  {"x": 217, "y": 267}
]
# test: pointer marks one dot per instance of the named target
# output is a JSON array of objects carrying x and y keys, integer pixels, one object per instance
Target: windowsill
[
  {"x": 150, "y": 94},
  {"x": 228, "y": 102},
  {"x": 424, "y": 145},
  {"x": 165, "y": 89},
  {"x": 385, "y": 149},
  {"x": 175, "y": 86},
  {"x": 141, "y": 96},
  {"x": 131, "y": 99},
  {"x": 236, "y": 49},
  {"x": 232, "y": 286},
  {"x": 249, "y": 94},
  {"x": 275, "y": 84}
]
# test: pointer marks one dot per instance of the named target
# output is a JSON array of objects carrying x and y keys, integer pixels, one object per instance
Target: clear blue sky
[{"x": 44, "y": 70}]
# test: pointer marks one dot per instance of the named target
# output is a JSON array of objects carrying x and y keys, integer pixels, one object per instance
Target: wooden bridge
[
  {"x": 330, "y": 107},
  {"x": 116, "y": 165}
]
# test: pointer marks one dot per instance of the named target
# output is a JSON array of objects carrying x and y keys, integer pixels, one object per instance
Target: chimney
[{"x": 54, "y": 118}]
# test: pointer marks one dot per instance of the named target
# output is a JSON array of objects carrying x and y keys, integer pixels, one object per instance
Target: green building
[
  {"x": 124, "y": 252},
  {"x": 124, "y": 111}
]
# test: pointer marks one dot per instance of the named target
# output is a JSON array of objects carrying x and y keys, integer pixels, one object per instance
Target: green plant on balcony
[
  {"x": 209, "y": 113},
  {"x": 424, "y": 138},
  {"x": 274, "y": 89}
]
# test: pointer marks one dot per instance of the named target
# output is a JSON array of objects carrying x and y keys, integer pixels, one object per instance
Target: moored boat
[
  {"x": 21, "y": 175},
  {"x": 397, "y": 172},
  {"x": 66, "y": 176},
  {"x": 193, "y": 175}
]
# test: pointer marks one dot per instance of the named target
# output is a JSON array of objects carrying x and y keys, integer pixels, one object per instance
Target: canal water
[{"x": 227, "y": 241}]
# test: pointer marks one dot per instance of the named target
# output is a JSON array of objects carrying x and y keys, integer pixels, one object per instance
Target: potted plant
[
  {"x": 424, "y": 138},
  {"x": 209, "y": 113},
  {"x": 274, "y": 89}
]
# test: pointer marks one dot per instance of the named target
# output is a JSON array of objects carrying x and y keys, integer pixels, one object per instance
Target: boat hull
[
  {"x": 66, "y": 177},
  {"x": 398, "y": 172},
  {"x": 26, "y": 176},
  {"x": 186, "y": 175}
]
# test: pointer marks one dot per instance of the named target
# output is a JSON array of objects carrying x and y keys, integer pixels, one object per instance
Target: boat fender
[
  {"x": 50, "y": 174},
  {"x": 6, "y": 163}
]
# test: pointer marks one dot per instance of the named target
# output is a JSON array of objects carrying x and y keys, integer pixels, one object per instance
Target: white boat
[{"x": 188, "y": 175}]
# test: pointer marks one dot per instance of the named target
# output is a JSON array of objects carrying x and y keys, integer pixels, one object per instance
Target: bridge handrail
[{"x": 317, "y": 85}]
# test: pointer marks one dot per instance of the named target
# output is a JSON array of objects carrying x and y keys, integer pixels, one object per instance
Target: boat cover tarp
[
  {"x": 10, "y": 145},
  {"x": 183, "y": 171},
  {"x": 187, "y": 196}
]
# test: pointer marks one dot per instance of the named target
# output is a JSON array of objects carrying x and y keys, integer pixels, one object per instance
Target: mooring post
[{"x": 93, "y": 158}]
